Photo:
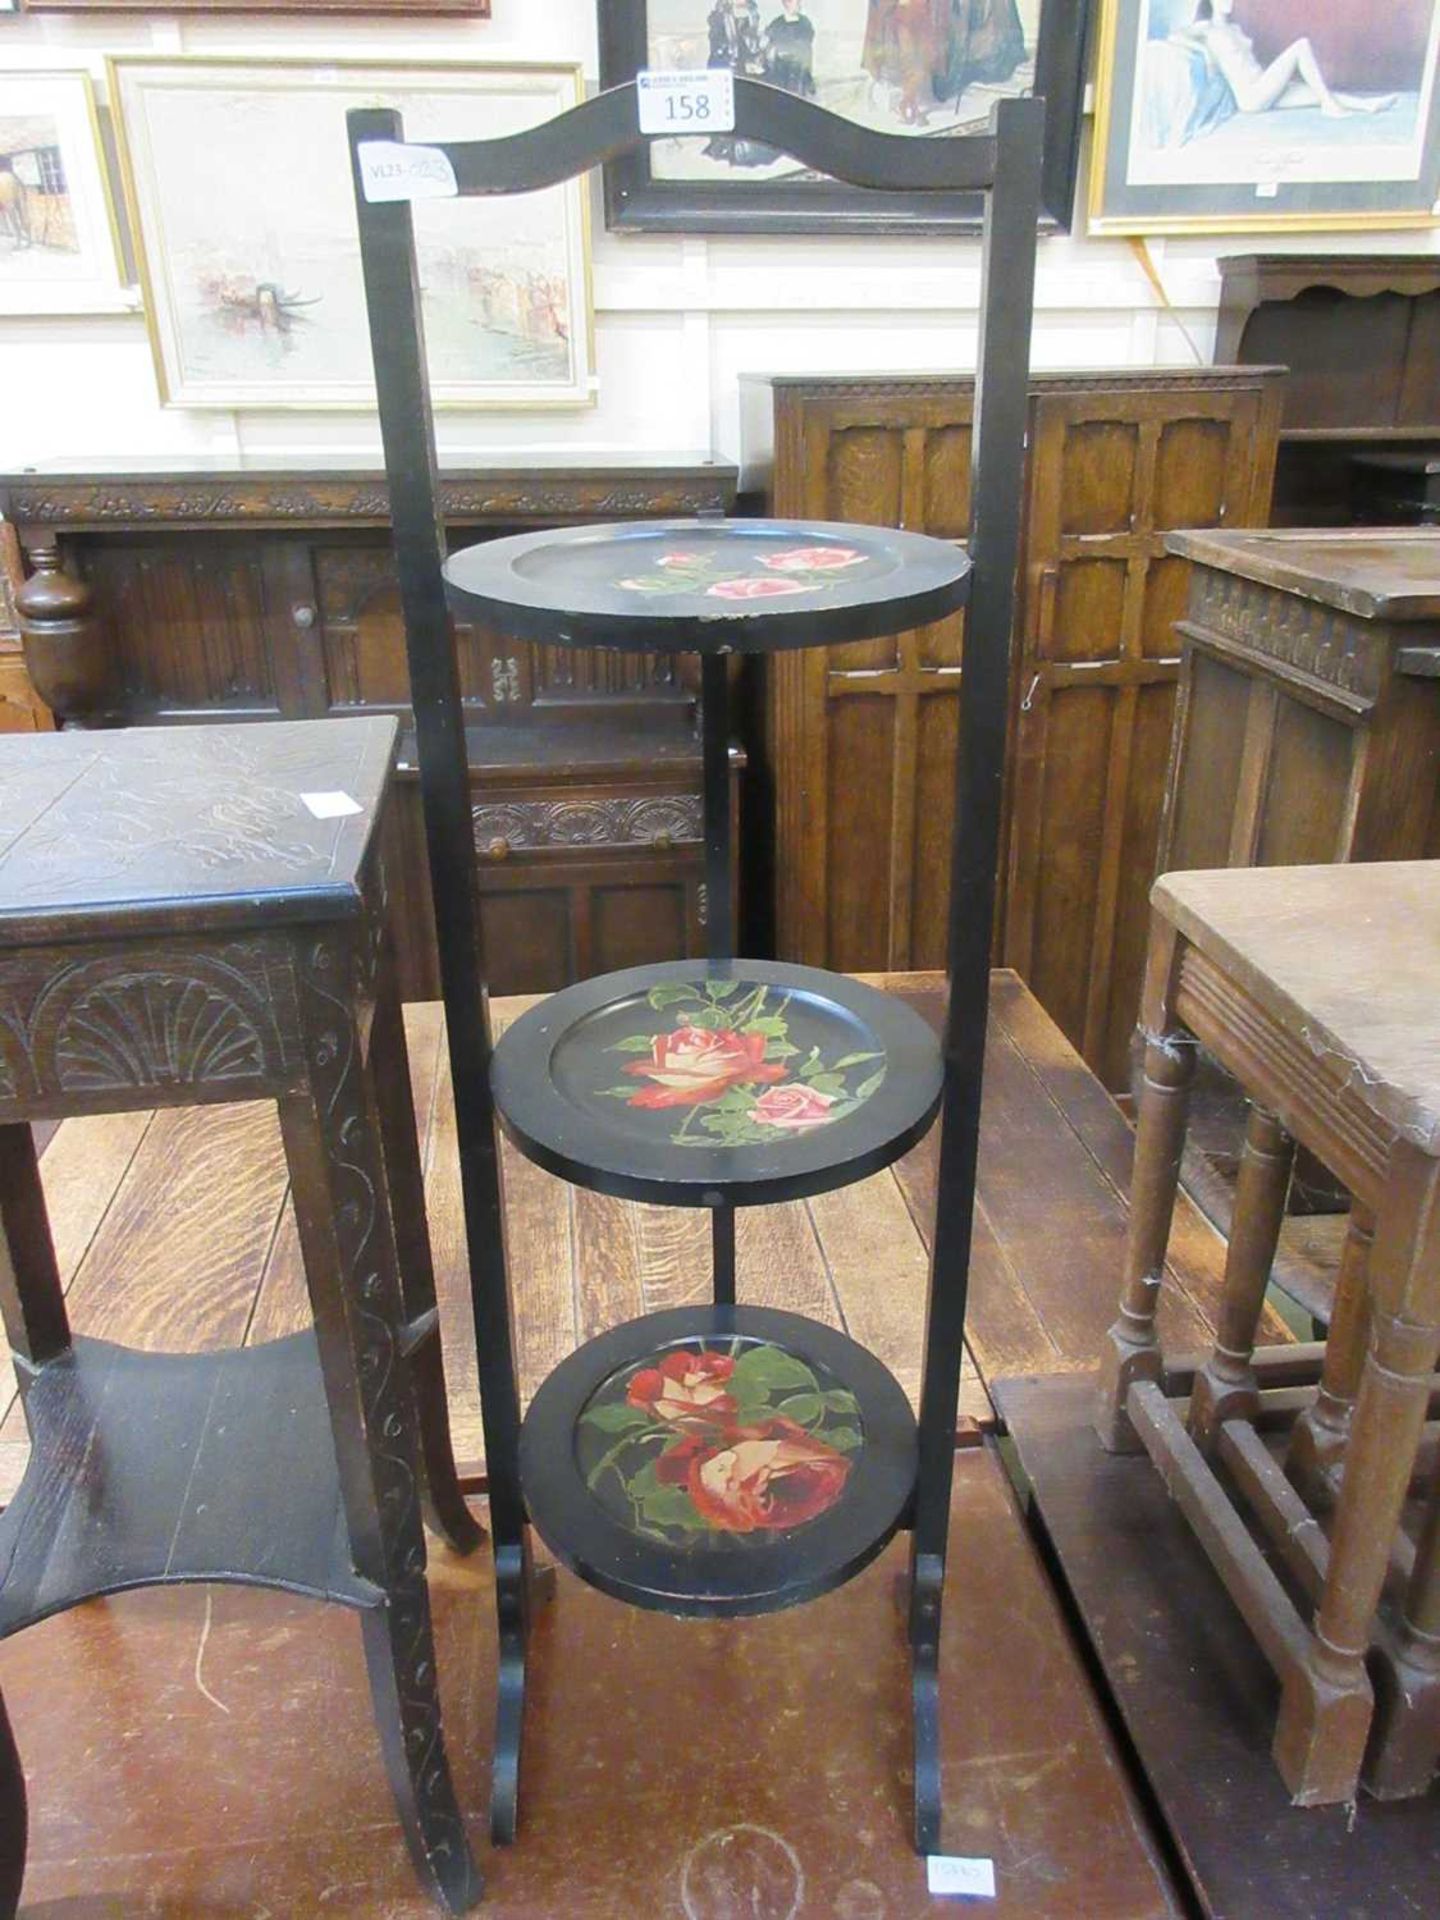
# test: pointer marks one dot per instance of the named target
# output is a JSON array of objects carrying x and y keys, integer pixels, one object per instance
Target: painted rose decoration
[
  {"x": 695, "y": 1063},
  {"x": 814, "y": 559},
  {"x": 731, "y": 1071},
  {"x": 702, "y": 1443},
  {"x": 753, "y": 587},
  {"x": 765, "y": 576}
]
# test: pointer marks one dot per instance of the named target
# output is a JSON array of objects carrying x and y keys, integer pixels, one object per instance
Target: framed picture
[
  {"x": 59, "y": 248},
  {"x": 477, "y": 8},
  {"x": 1218, "y": 115},
  {"x": 923, "y": 67},
  {"x": 237, "y": 178}
]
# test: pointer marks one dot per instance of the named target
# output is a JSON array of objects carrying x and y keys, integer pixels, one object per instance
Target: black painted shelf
[
  {"x": 715, "y": 1461},
  {"x": 721, "y": 1082},
  {"x": 150, "y": 1467},
  {"x": 709, "y": 586}
]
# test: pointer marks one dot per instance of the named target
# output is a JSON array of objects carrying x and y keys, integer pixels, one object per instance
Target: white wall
[{"x": 676, "y": 319}]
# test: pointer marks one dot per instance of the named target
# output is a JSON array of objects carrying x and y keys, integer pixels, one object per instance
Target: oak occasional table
[
  {"x": 197, "y": 914},
  {"x": 1317, "y": 987}
]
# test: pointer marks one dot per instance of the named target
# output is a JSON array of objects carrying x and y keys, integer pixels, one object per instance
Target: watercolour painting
[
  {"x": 929, "y": 68},
  {"x": 59, "y": 251},
  {"x": 1217, "y": 115},
  {"x": 238, "y": 181}
]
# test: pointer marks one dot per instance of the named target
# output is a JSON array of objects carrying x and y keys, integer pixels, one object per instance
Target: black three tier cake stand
[{"x": 721, "y": 1459}]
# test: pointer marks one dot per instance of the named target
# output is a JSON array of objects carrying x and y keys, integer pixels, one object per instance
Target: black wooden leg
[
  {"x": 722, "y": 1255},
  {"x": 14, "y": 1819},
  {"x": 31, "y": 1298},
  {"x": 332, "y": 1142},
  {"x": 513, "y": 1599},
  {"x": 927, "y": 1581},
  {"x": 446, "y": 1513}
]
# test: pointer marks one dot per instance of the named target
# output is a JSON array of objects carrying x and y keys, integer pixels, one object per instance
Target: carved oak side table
[
  {"x": 196, "y": 914},
  {"x": 1317, "y": 987}
]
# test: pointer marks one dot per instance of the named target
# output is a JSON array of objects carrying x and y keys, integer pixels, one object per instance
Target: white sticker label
[
  {"x": 330, "y": 806},
  {"x": 950, "y": 1873},
  {"x": 1267, "y": 190},
  {"x": 699, "y": 101},
  {"x": 395, "y": 170}
]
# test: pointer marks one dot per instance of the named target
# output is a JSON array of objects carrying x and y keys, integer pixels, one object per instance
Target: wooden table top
[
  {"x": 1346, "y": 958},
  {"x": 154, "y": 829},
  {"x": 1379, "y": 574}
]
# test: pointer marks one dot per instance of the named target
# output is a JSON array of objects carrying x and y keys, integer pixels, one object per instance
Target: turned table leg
[
  {"x": 1132, "y": 1347},
  {"x": 1317, "y": 1440},
  {"x": 1226, "y": 1388},
  {"x": 1326, "y": 1703},
  {"x": 1405, "y": 1664}
]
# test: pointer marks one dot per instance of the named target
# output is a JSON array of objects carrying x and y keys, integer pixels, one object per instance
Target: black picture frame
[{"x": 637, "y": 202}]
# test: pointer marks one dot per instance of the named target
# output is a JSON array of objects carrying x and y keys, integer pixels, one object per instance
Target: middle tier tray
[{"x": 709, "y": 1083}]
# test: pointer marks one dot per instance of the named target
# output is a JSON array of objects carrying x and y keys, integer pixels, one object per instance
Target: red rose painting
[
  {"x": 732, "y": 1071},
  {"x": 686, "y": 1386},
  {"x": 695, "y": 1064},
  {"x": 772, "y": 1476},
  {"x": 707, "y": 1443}
]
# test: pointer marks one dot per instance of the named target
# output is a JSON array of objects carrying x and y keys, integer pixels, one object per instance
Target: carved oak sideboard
[{"x": 269, "y": 593}]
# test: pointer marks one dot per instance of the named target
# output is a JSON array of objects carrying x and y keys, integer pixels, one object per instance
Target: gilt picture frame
[
  {"x": 265, "y": 309},
  {"x": 477, "y": 9},
  {"x": 1224, "y": 116},
  {"x": 862, "y": 57},
  {"x": 60, "y": 248}
]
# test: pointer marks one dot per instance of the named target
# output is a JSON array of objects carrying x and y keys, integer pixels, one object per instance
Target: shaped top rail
[{"x": 608, "y": 125}]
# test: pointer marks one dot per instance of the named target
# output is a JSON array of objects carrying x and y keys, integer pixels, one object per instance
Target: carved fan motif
[{"x": 155, "y": 1029}]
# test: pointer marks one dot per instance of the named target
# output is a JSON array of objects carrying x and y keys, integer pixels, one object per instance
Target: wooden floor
[
  {"x": 210, "y": 1752},
  {"x": 174, "y": 1230}
]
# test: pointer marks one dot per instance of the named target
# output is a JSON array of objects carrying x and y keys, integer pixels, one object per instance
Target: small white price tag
[
  {"x": 698, "y": 101},
  {"x": 1267, "y": 190},
  {"x": 330, "y": 806},
  {"x": 396, "y": 170},
  {"x": 951, "y": 1873}
]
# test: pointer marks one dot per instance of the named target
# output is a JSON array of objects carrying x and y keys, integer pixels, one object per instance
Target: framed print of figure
[
  {"x": 930, "y": 68},
  {"x": 59, "y": 247},
  {"x": 1217, "y": 115},
  {"x": 237, "y": 176}
]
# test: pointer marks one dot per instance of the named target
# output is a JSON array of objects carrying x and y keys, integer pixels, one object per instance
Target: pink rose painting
[
  {"x": 814, "y": 559},
  {"x": 794, "y": 1107},
  {"x": 728, "y": 572},
  {"x": 732, "y": 1070},
  {"x": 759, "y": 587}
]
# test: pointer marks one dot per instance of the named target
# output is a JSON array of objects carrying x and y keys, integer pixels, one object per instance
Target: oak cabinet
[
  {"x": 860, "y": 740},
  {"x": 1360, "y": 334}
]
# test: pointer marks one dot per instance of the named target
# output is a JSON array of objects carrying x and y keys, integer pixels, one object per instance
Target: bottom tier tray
[
  {"x": 708, "y": 1083},
  {"x": 718, "y": 1460}
]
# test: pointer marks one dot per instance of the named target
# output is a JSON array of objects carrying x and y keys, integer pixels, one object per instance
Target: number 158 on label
[{"x": 702, "y": 101}]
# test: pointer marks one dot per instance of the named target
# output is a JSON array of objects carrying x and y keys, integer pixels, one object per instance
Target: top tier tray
[{"x": 709, "y": 586}]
